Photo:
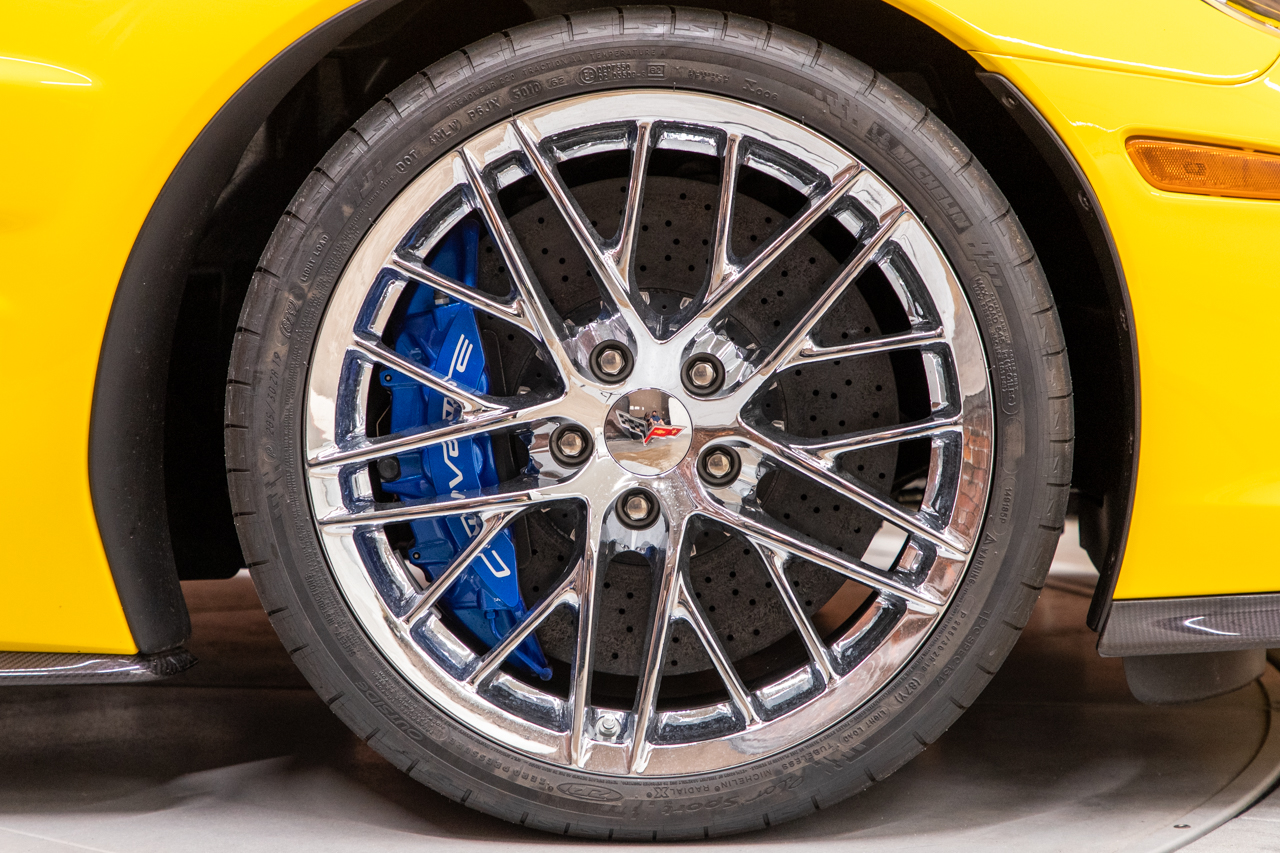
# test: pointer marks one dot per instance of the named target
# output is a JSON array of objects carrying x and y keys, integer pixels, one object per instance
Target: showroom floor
[{"x": 239, "y": 754}]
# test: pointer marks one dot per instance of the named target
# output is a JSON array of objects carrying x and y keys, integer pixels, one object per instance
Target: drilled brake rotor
[{"x": 832, "y": 398}]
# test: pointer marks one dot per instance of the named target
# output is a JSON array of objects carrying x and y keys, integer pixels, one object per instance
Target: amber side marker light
[{"x": 1185, "y": 167}]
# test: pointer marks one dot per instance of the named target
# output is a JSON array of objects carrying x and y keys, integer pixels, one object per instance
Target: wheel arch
[
  {"x": 1060, "y": 211},
  {"x": 126, "y": 438},
  {"x": 136, "y": 505},
  {"x": 1105, "y": 485}
]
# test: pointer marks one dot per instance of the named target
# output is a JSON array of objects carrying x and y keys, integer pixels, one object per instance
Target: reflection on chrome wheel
[
  {"x": 648, "y": 437},
  {"x": 650, "y": 430}
]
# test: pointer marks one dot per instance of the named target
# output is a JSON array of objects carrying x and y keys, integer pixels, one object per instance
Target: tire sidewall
[{"x": 895, "y": 137}]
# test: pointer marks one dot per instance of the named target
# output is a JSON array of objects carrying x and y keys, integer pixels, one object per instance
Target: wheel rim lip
[{"x": 393, "y": 638}]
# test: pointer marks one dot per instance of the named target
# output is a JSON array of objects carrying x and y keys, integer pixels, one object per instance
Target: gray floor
[
  {"x": 1255, "y": 831},
  {"x": 238, "y": 754}
]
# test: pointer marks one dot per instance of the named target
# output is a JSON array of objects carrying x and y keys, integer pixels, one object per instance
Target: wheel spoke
[
  {"x": 617, "y": 288},
  {"x": 664, "y": 603},
  {"x": 374, "y": 349},
  {"x": 823, "y": 471},
  {"x": 513, "y": 311},
  {"x": 510, "y": 496},
  {"x": 801, "y": 350},
  {"x": 798, "y": 345},
  {"x": 809, "y": 353},
  {"x": 723, "y": 269},
  {"x": 624, "y": 251},
  {"x": 589, "y": 574},
  {"x": 687, "y": 609},
  {"x": 491, "y": 525},
  {"x": 565, "y": 594},
  {"x": 733, "y": 280},
  {"x": 420, "y": 439},
  {"x": 828, "y": 451},
  {"x": 760, "y": 528},
  {"x": 542, "y": 315},
  {"x": 775, "y": 562}
]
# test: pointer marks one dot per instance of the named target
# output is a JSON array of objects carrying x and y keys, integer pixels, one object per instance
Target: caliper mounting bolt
[{"x": 388, "y": 469}]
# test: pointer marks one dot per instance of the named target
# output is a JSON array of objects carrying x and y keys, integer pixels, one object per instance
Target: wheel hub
[
  {"x": 671, "y": 263},
  {"x": 648, "y": 432}
]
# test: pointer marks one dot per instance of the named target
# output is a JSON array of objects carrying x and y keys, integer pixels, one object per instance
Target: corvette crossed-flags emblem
[{"x": 661, "y": 432}]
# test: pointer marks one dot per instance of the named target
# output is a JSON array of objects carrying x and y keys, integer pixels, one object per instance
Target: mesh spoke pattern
[{"x": 883, "y": 304}]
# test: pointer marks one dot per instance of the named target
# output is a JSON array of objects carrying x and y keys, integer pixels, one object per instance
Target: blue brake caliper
[{"x": 444, "y": 337}]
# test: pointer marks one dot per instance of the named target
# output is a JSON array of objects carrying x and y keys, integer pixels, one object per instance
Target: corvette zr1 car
[{"x": 642, "y": 422}]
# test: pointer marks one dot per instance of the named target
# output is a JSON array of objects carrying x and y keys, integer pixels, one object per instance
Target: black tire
[{"x": 721, "y": 54}]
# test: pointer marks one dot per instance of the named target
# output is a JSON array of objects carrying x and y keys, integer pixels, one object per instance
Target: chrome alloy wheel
[{"x": 714, "y": 480}]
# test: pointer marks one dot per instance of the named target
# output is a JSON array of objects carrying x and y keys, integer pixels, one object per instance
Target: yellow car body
[{"x": 102, "y": 100}]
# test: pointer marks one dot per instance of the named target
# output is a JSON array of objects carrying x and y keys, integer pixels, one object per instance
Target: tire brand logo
[
  {"x": 880, "y": 137},
  {"x": 594, "y": 793}
]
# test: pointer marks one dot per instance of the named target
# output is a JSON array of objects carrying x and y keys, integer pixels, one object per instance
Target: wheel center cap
[{"x": 648, "y": 431}]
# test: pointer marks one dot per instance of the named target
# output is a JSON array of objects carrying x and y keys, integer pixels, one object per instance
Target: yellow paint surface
[
  {"x": 1180, "y": 39},
  {"x": 1204, "y": 278},
  {"x": 100, "y": 99}
]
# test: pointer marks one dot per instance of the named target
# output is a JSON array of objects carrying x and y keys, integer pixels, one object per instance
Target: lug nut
[
  {"x": 638, "y": 509},
  {"x": 570, "y": 444},
  {"x": 702, "y": 374},
  {"x": 719, "y": 466},
  {"x": 608, "y": 726},
  {"x": 611, "y": 361},
  {"x": 719, "y": 463}
]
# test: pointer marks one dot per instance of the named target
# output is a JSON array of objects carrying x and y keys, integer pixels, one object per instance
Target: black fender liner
[
  {"x": 1104, "y": 525},
  {"x": 126, "y": 433}
]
